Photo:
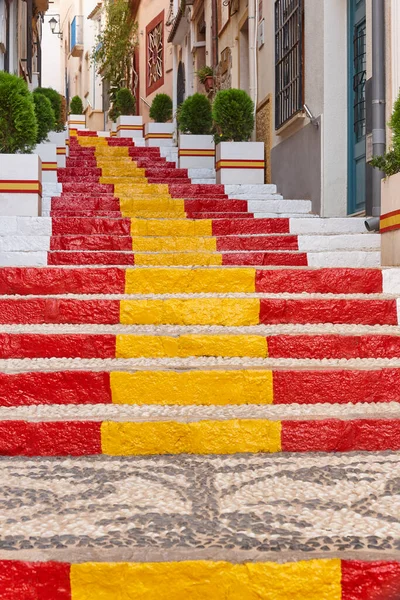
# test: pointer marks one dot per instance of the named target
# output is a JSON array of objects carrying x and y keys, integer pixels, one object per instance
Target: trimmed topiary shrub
[
  {"x": 56, "y": 103},
  {"x": 125, "y": 102},
  {"x": 233, "y": 114},
  {"x": 195, "y": 115},
  {"x": 18, "y": 127},
  {"x": 76, "y": 106},
  {"x": 161, "y": 108},
  {"x": 44, "y": 116}
]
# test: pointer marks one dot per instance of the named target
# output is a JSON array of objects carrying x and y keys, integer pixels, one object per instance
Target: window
[
  {"x": 359, "y": 80},
  {"x": 155, "y": 54},
  {"x": 288, "y": 60}
]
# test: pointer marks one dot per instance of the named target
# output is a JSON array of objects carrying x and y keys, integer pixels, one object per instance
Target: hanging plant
[{"x": 113, "y": 53}]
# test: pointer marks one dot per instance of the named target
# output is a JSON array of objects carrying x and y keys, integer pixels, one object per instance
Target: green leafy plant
[
  {"x": 44, "y": 116},
  {"x": 18, "y": 126},
  {"x": 56, "y": 103},
  {"x": 233, "y": 114},
  {"x": 161, "y": 108},
  {"x": 389, "y": 163},
  {"x": 125, "y": 102},
  {"x": 195, "y": 115},
  {"x": 76, "y": 106},
  {"x": 115, "y": 47},
  {"x": 204, "y": 73}
]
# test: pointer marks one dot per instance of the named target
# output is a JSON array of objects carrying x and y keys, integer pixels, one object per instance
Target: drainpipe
[
  {"x": 378, "y": 98},
  {"x": 214, "y": 32},
  {"x": 252, "y": 51}
]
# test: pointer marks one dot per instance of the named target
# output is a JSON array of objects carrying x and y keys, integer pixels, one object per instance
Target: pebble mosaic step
[{"x": 199, "y": 391}]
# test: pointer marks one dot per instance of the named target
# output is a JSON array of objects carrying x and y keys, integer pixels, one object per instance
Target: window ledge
[{"x": 294, "y": 122}]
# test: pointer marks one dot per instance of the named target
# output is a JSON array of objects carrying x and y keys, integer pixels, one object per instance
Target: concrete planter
[
  {"x": 60, "y": 140},
  {"x": 390, "y": 221},
  {"x": 159, "y": 134},
  {"x": 196, "y": 152},
  {"x": 130, "y": 127},
  {"x": 76, "y": 123},
  {"x": 240, "y": 162},
  {"x": 48, "y": 156},
  {"x": 20, "y": 185}
]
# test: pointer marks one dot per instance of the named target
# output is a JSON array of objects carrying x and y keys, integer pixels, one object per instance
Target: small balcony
[{"x": 76, "y": 46}]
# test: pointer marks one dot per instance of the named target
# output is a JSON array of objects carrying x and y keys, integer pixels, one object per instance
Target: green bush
[
  {"x": 195, "y": 115},
  {"x": 233, "y": 114},
  {"x": 125, "y": 102},
  {"x": 161, "y": 108},
  {"x": 76, "y": 106},
  {"x": 44, "y": 116},
  {"x": 56, "y": 103},
  {"x": 389, "y": 163},
  {"x": 18, "y": 127}
]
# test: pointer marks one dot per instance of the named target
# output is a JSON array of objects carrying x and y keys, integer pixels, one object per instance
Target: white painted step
[
  {"x": 279, "y": 206},
  {"x": 250, "y": 189},
  {"x": 201, "y": 173},
  {"x": 23, "y": 259},
  {"x": 323, "y": 243},
  {"x": 25, "y": 226},
  {"x": 328, "y": 225},
  {"x": 355, "y": 259}
]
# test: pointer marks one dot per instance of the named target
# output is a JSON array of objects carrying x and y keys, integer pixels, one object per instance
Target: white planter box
[
  {"x": 48, "y": 156},
  {"x": 20, "y": 185},
  {"x": 390, "y": 221},
  {"x": 196, "y": 151},
  {"x": 159, "y": 134},
  {"x": 130, "y": 127},
  {"x": 240, "y": 162},
  {"x": 60, "y": 139},
  {"x": 76, "y": 122},
  {"x": 113, "y": 132}
]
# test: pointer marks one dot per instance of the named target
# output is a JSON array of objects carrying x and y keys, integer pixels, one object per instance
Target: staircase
[{"x": 200, "y": 390}]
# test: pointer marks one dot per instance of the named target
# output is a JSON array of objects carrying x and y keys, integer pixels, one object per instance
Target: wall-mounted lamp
[{"x": 53, "y": 24}]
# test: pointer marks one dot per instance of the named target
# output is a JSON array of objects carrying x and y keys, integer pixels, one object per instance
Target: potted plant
[
  {"x": 128, "y": 125},
  {"x": 20, "y": 171},
  {"x": 389, "y": 163},
  {"x": 45, "y": 119},
  {"x": 237, "y": 160},
  {"x": 160, "y": 133},
  {"x": 206, "y": 77},
  {"x": 196, "y": 143}
]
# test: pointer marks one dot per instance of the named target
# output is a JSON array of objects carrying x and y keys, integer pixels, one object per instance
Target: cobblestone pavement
[{"x": 315, "y": 503}]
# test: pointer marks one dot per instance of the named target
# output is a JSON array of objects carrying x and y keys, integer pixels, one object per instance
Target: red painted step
[
  {"x": 90, "y": 226},
  {"x": 91, "y": 258},
  {"x": 35, "y": 345},
  {"x": 91, "y": 242},
  {"x": 31, "y": 581},
  {"x": 241, "y": 227},
  {"x": 59, "y": 310},
  {"x": 265, "y": 258},
  {"x": 323, "y": 281},
  {"x": 254, "y": 242}
]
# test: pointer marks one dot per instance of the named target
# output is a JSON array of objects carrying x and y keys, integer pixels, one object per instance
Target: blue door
[{"x": 357, "y": 80}]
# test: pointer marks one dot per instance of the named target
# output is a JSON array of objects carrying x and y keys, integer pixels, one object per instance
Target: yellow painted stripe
[
  {"x": 196, "y": 152},
  {"x": 124, "y": 190},
  {"x": 158, "y": 346},
  {"x": 112, "y": 151},
  {"x": 49, "y": 166},
  {"x": 139, "y": 179},
  {"x": 207, "y": 580},
  {"x": 161, "y": 206},
  {"x": 200, "y": 388},
  {"x": 173, "y": 244},
  {"x": 61, "y": 151},
  {"x": 76, "y": 122},
  {"x": 203, "y": 437},
  {"x": 130, "y": 128},
  {"x": 17, "y": 186},
  {"x": 179, "y": 259},
  {"x": 190, "y": 281},
  {"x": 124, "y": 170},
  {"x": 171, "y": 227},
  {"x": 240, "y": 164},
  {"x": 158, "y": 136},
  {"x": 191, "y": 311},
  {"x": 389, "y": 221}
]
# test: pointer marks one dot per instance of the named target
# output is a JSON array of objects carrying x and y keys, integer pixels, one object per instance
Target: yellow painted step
[
  {"x": 173, "y": 244},
  {"x": 171, "y": 227},
  {"x": 191, "y": 311},
  {"x": 151, "y": 206},
  {"x": 159, "y": 346},
  {"x": 117, "y": 180},
  {"x": 123, "y": 190},
  {"x": 208, "y": 580},
  {"x": 123, "y": 170},
  {"x": 111, "y": 151},
  {"x": 179, "y": 259},
  {"x": 189, "y": 281},
  {"x": 203, "y": 437},
  {"x": 185, "y": 388}
]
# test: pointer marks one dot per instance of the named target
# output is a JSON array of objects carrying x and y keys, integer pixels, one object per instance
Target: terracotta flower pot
[{"x": 209, "y": 83}]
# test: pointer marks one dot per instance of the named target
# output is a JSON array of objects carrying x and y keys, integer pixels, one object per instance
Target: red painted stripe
[
  {"x": 367, "y": 312},
  {"x": 239, "y": 226},
  {"x": 323, "y": 281},
  {"x": 91, "y": 242},
  {"x": 34, "y": 581},
  {"x": 64, "y": 438},
  {"x": 390, "y": 228},
  {"x": 79, "y": 226},
  {"x": 332, "y": 435},
  {"x": 370, "y": 580},
  {"x": 253, "y": 242},
  {"x": 220, "y": 206},
  {"x": 393, "y": 213},
  {"x": 336, "y": 387},
  {"x": 55, "y": 310},
  {"x": 100, "y": 188},
  {"x": 85, "y": 213},
  {"x": 64, "y": 387},
  {"x": 334, "y": 346},
  {"x": 265, "y": 258},
  {"x": 41, "y": 281},
  {"x": 219, "y": 215},
  {"x": 90, "y": 258},
  {"x": 79, "y": 204},
  {"x": 36, "y": 345}
]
